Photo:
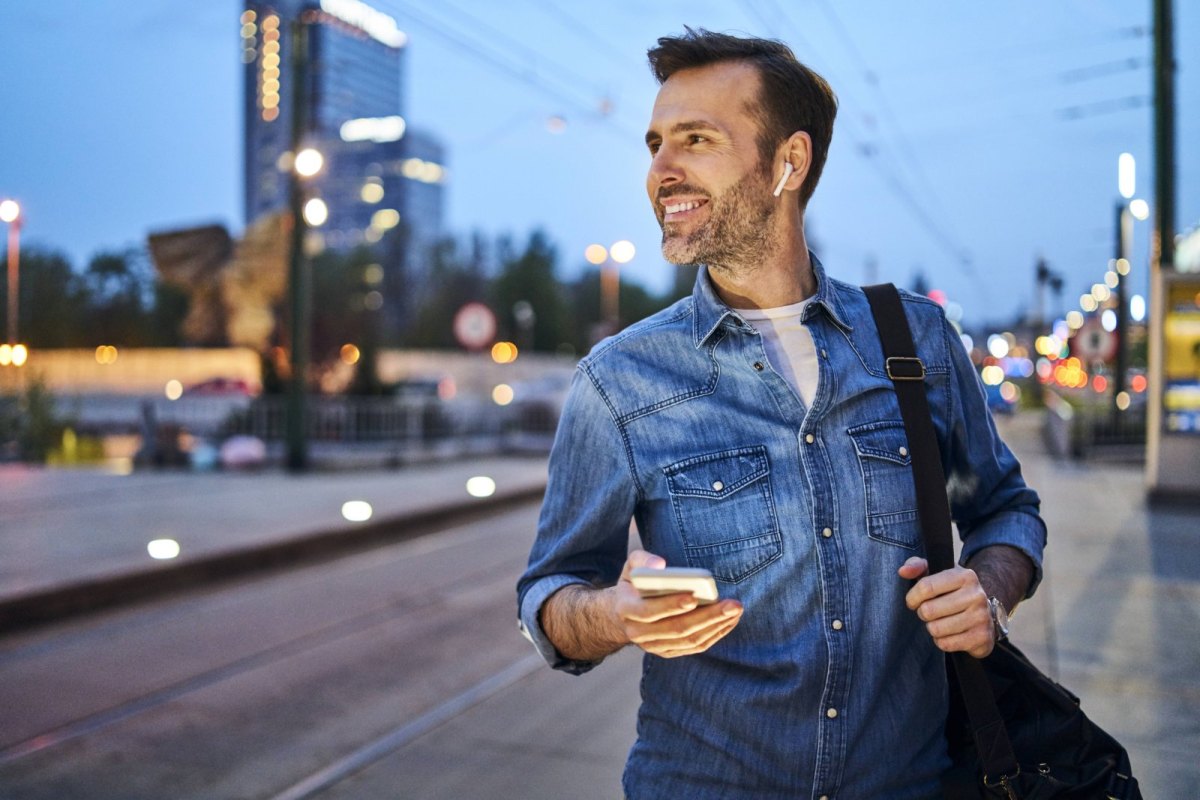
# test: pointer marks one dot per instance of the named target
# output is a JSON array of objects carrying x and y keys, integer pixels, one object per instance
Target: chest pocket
[
  {"x": 726, "y": 512},
  {"x": 891, "y": 500}
]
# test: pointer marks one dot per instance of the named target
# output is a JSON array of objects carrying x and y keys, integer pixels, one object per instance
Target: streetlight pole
[
  {"x": 299, "y": 285},
  {"x": 1121, "y": 267},
  {"x": 10, "y": 212},
  {"x": 1126, "y": 183}
]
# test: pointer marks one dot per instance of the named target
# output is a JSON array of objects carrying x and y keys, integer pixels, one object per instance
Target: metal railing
[{"x": 1083, "y": 432}]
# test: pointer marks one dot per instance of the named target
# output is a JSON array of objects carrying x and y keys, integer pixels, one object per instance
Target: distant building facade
[{"x": 382, "y": 181}]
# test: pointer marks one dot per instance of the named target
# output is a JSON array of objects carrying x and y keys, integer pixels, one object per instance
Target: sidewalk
[
  {"x": 1117, "y": 617},
  {"x": 72, "y": 540}
]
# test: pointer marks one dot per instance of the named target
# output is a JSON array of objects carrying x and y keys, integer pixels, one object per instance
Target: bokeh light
[
  {"x": 357, "y": 510},
  {"x": 595, "y": 254},
  {"x": 481, "y": 486},
  {"x": 502, "y": 395},
  {"x": 163, "y": 549}
]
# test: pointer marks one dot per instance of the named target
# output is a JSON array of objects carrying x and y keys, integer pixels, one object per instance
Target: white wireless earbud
[{"x": 787, "y": 173}]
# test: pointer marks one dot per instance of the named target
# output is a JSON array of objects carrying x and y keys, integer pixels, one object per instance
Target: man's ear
[{"x": 797, "y": 151}]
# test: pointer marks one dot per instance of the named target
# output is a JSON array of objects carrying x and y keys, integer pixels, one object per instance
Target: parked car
[{"x": 220, "y": 387}]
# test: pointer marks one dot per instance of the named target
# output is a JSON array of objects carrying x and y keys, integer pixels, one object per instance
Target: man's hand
[
  {"x": 672, "y": 625},
  {"x": 953, "y": 605}
]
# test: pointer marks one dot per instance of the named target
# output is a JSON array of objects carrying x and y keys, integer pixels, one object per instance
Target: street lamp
[
  {"x": 609, "y": 259},
  {"x": 10, "y": 212},
  {"x": 1126, "y": 211}
]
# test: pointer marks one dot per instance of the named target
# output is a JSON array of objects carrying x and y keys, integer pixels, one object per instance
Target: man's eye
[
  {"x": 653, "y": 147},
  {"x": 696, "y": 138}
]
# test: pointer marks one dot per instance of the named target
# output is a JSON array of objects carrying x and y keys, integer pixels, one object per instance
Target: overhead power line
[
  {"x": 1104, "y": 70},
  {"x": 912, "y": 160},
  {"x": 959, "y": 254},
  {"x": 583, "y": 30},
  {"x": 1104, "y": 107},
  {"x": 498, "y": 59}
]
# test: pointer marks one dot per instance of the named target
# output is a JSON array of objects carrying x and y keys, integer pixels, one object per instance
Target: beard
[{"x": 736, "y": 235}]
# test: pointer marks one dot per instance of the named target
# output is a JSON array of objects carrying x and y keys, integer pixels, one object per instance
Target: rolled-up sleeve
[
  {"x": 989, "y": 500},
  {"x": 583, "y": 530}
]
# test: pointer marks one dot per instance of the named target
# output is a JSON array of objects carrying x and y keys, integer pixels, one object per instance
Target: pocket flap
[
  {"x": 719, "y": 474},
  {"x": 884, "y": 440}
]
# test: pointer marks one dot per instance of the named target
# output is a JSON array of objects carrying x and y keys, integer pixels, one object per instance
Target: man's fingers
[
  {"x": 938, "y": 584},
  {"x": 655, "y": 609},
  {"x": 682, "y": 625},
  {"x": 972, "y": 617},
  {"x": 641, "y": 558},
  {"x": 913, "y": 568},
  {"x": 974, "y": 643},
  {"x": 947, "y": 605},
  {"x": 698, "y": 644}
]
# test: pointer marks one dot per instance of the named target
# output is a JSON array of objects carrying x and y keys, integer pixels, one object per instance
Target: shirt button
[
  {"x": 823, "y": 353},
  {"x": 810, "y": 438},
  {"x": 718, "y": 486},
  {"x": 827, "y": 532},
  {"x": 837, "y": 624},
  {"x": 824, "y": 797},
  {"x": 758, "y": 366},
  {"x": 903, "y": 451},
  {"x": 831, "y": 713}
]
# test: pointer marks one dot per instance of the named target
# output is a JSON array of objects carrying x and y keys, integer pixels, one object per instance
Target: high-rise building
[{"x": 382, "y": 181}]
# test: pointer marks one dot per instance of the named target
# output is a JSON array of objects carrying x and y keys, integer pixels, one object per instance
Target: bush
[{"x": 29, "y": 425}]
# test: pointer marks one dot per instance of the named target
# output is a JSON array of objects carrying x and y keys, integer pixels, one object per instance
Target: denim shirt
[{"x": 829, "y": 686}]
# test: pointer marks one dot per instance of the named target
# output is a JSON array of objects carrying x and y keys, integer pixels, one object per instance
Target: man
[{"x": 750, "y": 429}]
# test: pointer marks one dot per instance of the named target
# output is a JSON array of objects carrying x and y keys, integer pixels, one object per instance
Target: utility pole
[
  {"x": 1042, "y": 277},
  {"x": 1170, "y": 457},
  {"x": 299, "y": 283},
  {"x": 1163, "y": 250}
]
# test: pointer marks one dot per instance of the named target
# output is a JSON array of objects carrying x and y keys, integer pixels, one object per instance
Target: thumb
[
  {"x": 641, "y": 558},
  {"x": 913, "y": 568}
]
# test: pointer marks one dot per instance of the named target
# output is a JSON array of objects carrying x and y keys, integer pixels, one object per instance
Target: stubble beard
[{"x": 737, "y": 235}]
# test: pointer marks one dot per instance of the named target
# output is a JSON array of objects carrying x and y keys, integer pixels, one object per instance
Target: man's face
[{"x": 710, "y": 191}]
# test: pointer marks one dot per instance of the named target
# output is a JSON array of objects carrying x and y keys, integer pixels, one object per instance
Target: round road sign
[
  {"x": 1092, "y": 343},
  {"x": 475, "y": 326}
]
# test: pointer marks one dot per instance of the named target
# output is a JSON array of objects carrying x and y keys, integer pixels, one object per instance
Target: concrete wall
[{"x": 145, "y": 372}]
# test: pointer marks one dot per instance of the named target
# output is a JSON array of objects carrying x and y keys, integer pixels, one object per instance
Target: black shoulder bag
[{"x": 1012, "y": 732}]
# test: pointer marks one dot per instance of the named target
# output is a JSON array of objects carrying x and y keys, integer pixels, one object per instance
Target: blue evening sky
[{"x": 972, "y": 138}]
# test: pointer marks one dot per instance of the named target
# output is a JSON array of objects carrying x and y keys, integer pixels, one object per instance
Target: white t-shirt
[{"x": 789, "y": 345}]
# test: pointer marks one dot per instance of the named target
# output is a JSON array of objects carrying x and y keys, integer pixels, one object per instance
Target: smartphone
[{"x": 674, "y": 580}]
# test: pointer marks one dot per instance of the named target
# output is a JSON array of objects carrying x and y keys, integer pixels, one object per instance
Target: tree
[
  {"x": 457, "y": 275},
  {"x": 529, "y": 278},
  {"x": 633, "y": 301},
  {"x": 342, "y": 301},
  {"x": 120, "y": 290},
  {"x": 52, "y": 301}
]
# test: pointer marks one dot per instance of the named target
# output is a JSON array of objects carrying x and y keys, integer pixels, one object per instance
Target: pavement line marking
[{"x": 394, "y": 740}]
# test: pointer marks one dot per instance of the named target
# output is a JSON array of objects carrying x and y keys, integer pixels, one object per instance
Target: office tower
[{"x": 382, "y": 182}]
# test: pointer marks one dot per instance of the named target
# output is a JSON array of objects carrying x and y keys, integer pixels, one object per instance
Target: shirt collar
[{"x": 710, "y": 311}]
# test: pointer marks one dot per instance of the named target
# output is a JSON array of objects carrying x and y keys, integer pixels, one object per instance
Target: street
[
  {"x": 398, "y": 672},
  {"x": 250, "y": 690}
]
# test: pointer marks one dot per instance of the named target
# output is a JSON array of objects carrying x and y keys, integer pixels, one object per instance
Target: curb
[{"x": 85, "y": 597}]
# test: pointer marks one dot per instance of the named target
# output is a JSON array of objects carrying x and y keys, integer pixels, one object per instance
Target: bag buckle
[
  {"x": 1003, "y": 783},
  {"x": 905, "y": 368}
]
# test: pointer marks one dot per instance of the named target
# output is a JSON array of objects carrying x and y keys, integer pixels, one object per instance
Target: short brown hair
[{"x": 792, "y": 97}]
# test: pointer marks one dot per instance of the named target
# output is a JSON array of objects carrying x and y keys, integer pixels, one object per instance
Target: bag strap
[{"x": 907, "y": 373}]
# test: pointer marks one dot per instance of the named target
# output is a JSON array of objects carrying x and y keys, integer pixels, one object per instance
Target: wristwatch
[{"x": 999, "y": 618}]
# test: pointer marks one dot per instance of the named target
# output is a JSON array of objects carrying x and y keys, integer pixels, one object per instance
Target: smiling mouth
[{"x": 673, "y": 212}]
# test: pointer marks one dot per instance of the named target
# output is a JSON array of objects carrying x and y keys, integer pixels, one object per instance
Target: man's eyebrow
[{"x": 682, "y": 127}]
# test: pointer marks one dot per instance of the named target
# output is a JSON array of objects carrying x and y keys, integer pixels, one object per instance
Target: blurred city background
[{"x": 294, "y": 291}]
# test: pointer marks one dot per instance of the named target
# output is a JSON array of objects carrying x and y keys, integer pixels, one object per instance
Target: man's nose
[{"x": 664, "y": 169}]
